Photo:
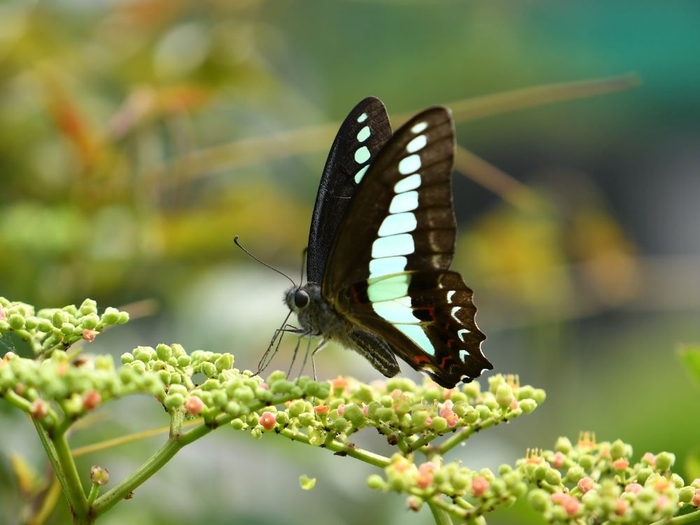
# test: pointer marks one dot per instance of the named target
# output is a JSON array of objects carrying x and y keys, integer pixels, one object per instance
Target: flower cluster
[
  {"x": 58, "y": 390},
  {"x": 56, "y": 328},
  {"x": 411, "y": 416},
  {"x": 464, "y": 493},
  {"x": 599, "y": 482}
]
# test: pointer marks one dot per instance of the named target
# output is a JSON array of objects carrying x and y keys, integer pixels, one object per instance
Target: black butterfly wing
[
  {"x": 361, "y": 136},
  {"x": 389, "y": 268}
]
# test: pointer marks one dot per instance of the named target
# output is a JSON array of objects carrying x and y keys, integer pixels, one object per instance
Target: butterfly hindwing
[
  {"x": 361, "y": 136},
  {"x": 388, "y": 270}
]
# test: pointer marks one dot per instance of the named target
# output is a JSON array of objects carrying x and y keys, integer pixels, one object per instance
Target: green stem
[
  {"x": 336, "y": 446},
  {"x": 148, "y": 469},
  {"x": 59, "y": 455},
  {"x": 72, "y": 488},
  {"x": 439, "y": 514}
]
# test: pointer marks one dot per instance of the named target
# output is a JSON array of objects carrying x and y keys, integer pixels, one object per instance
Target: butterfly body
[{"x": 380, "y": 245}]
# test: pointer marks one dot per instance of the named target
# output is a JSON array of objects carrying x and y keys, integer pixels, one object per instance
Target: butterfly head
[{"x": 306, "y": 302}]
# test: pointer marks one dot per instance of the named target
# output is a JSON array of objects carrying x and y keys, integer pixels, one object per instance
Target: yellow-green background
[{"x": 130, "y": 157}]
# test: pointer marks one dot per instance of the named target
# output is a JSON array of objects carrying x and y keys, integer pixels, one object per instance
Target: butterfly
[{"x": 381, "y": 242}]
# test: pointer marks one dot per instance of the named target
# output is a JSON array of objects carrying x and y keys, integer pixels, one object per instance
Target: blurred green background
[{"x": 138, "y": 137}]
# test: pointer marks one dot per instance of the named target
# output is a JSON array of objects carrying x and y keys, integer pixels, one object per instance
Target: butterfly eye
[{"x": 301, "y": 299}]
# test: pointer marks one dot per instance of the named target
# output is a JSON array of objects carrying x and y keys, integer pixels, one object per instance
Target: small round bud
[
  {"x": 665, "y": 460},
  {"x": 99, "y": 475},
  {"x": 267, "y": 421},
  {"x": 194, "y": 405},
  {"x": 91, "y": 400}
]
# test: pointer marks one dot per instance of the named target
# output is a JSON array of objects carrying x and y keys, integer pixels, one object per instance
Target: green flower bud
[
  {"x": 99, "y": 475},
  {"x": 16, "y": 321},
  {"x": 372, "y": 409},
  {"x": 184, "y": 361},
  {"x": 387, "y": 415},
  {"x": 307, "y": 419},
  {"x": 665, "y": 460},
  {"x": 586, "y": 461},
  {"x": 376, "y": 482},
  {"x": 245, "y": 394},
  {"x": 439, "y": 424},
  {"x": 163, "y": 352},
  {"x": 364, "y": 394},
  {"x": 59, "y": 317},
  {"x": 619, "y": 450},
  {"x": 111, "y": 316},
  {"x": 685, "y": 494},
  {"x": 575, "y": 473},
  {"x": 144, "y": 353},
  {"x": 89, "y": 321},
  {"x": 591, "y": 500},
  {"x": 281, "y": 386},
  {"x": 353, "y": 413},
  {"x": 238, "y": 424},
  {"x": 224, "y": 362},
  {"x": 173, "y": 401},
  {"x": 539, "y": 500},
  {"x": 553, "y": 477},
  {"x": 296, "y": 408},
  {"x": 209, "y": 369},
  {"x": 504, "y": 395},
  {"x": 340, "y": 424},
  {"x": 563, "y": 445},
  {"x": 67, "y": 328},
  {"x": 643, "y": 474},
  {"x": 471, "y": 416},
  {"x": 528, "y": 406},
  {"x": 88, "y": 307},
  {"x": 420, "y": 418}
]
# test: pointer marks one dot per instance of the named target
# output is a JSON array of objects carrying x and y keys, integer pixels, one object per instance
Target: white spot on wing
[
  {"x": 387, "y": 266},
  {"x": 408, "y": 183},
  {"x": 449, "y": 296},
  {"x": 398, "y": 223},
  {"x": 364, "y": 134},
  {"x": 388, "y": 288},
  {"x": 393, "y": 245},
  {"x": 454, "y": 311},
  {"x": 362, "y": 117},
  {"x": 362, "y": 155},
  {"x": 461, "y": 334},
  {"x": 409, "y": 164},
  {"x": 415, "y": 333},
  {"x": 417, "y": 128},
  {"x": 407, "y": 201},
  {"x": 416, "y": 144},
  {"x": 463, "y": 355},
  {"x": 395, "y": 312},
  {"x": 360, "y": 174}
]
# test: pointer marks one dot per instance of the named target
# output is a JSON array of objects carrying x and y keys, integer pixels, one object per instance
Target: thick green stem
[
  {"x": 59, "y": 455},
  {"x": 148, "y": 469}
]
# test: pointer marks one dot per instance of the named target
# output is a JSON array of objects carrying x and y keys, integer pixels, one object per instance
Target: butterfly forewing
[
  {"x": 388, "y": 269},
  {"x": 361, "y": 136}
]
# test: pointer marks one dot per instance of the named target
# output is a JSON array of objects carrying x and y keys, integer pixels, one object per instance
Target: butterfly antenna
[{"x": 235, "y": 241}]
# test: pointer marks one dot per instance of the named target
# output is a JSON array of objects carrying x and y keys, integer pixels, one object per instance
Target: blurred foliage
[{"x": 137, "y": 138}]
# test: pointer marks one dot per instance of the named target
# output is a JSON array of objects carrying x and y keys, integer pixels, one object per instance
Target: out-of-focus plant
[{"x": 586, "y": 482}]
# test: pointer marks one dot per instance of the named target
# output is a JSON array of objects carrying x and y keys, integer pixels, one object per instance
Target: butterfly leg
[
  {"x": 321, "y": 345},
  {"x": 275, "y": 343}
]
